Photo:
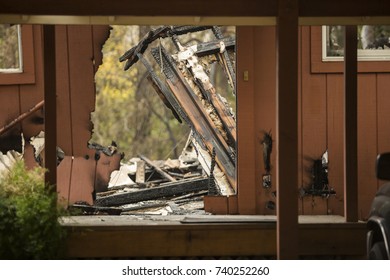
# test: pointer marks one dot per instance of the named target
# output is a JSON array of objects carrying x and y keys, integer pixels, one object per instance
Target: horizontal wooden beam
[
  {"x": 187, "y": 20},
  {"x": 198, "y": 8},
  {"x": 345, "y": 8},
  {"x": 174, "y": 239},
  {"x": 141, "y": 8}
]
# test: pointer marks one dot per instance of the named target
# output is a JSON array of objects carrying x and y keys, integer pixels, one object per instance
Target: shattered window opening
[{"x": 203, "y": 58}]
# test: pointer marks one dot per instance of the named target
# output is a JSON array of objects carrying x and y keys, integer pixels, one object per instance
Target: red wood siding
[
  {"x": 78, "y": 55},
  {"x": 321, "y": 109}
]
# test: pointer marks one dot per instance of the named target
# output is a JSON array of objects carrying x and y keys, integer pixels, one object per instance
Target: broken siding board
[
  {"x": 100, "y": 34},
  {"x": 314, "y": 124},
  {"x": 28, "y": 156},
  {"x": 64, "y": 175},
  {"x": 367, "y": 144},
  {"x": 164, "y": 190},
  {"x": 82, "y": 90},
  {"x": 82, "y": 180},
  {"x": 104, "y": 167},
  {"x": 335, "y": 135}
]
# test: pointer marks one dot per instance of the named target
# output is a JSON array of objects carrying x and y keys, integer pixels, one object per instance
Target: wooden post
[
  {"x": 351, "y": 125},
  {"x": 287, "y": 129},
  {"x": 49, "y": 64}
]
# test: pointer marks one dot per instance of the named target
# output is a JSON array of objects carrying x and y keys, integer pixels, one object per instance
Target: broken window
[{"x": 10, "y": 49}]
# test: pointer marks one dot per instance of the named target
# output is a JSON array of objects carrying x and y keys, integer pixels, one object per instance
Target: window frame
[
  {"x": 27, "y": 75},
  {"x": 320, "y": 66}
]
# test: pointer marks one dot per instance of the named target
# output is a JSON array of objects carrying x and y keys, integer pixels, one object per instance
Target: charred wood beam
[
  {"x": 208, "y": 91},
  {"x": 198, "y": 117},
  {"x": 23, "y": 116},
  {"x": 163, "y": 92},
  {"x": 164, "y": 190},
  {"x": 158, "y": 169},
  {"x": 93, "y": 210},
  {"x": 226, "y": 61},
  {"x": 169, "y": 99},
  {"x": 215, "y": 47},
  {"x": 162, "y": 32}
]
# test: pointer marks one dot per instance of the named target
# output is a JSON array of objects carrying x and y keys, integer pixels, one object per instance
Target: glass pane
[
  {"x": 373, "y": 42},
  {"x": 10, "y": 49}
]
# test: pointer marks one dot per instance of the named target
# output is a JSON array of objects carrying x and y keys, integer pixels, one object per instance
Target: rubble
[
  {"x": 207, "y": 163},
  {"x": 8, "y": 160}
]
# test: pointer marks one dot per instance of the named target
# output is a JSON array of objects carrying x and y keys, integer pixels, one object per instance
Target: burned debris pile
[{"x": 180, "y": 75}]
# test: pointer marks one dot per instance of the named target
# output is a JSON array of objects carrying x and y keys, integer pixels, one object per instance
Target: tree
[{"x": 127, "y": 108}]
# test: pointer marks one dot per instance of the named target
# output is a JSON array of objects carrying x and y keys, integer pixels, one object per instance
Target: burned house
[
  {"x": 185, "y": 88},
  {"x": 78, "y": 56},
  {"x": 302, "y": 106}
]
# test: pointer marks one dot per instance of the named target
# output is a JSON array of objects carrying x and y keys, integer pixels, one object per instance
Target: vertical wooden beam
[
  {"x": 49, "y": 64},
  {"x": 351, "y": 125},
  {"x": 287, "y": 129}
]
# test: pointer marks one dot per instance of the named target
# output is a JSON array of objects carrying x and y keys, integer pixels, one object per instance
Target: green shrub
[{"x": 29, "y": 226}]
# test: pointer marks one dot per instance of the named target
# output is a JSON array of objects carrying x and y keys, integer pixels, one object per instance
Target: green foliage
[
  {"x": 29, "y": 227},
  {"x": 127, "y": 108}
]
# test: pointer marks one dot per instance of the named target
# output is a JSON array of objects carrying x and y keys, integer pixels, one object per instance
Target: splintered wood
[
  {"x": 189, "y": 93},
  {"x": 186, "y": 87}
]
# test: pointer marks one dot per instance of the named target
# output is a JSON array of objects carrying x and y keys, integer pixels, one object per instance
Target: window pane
[
  {"x": 373, "y": 42},
  {"x": 10, "y": 48}
]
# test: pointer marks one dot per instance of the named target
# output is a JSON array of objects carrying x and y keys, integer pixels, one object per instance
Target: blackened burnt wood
[
  {"x": 164, "y": 190},
  {"x": 169, "y": 99},
  {"x": 158, "y": 169},
  {"x": 197, "y": 114},
  {"x": 214, "y": 47},
  {"x": 226, "y": 61},
  {"x": 208, "y": 91},
  {"x": 93, "y": 210},
  {"x": 162, "y": 32},
  {"x": 163, "y": 92}
]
